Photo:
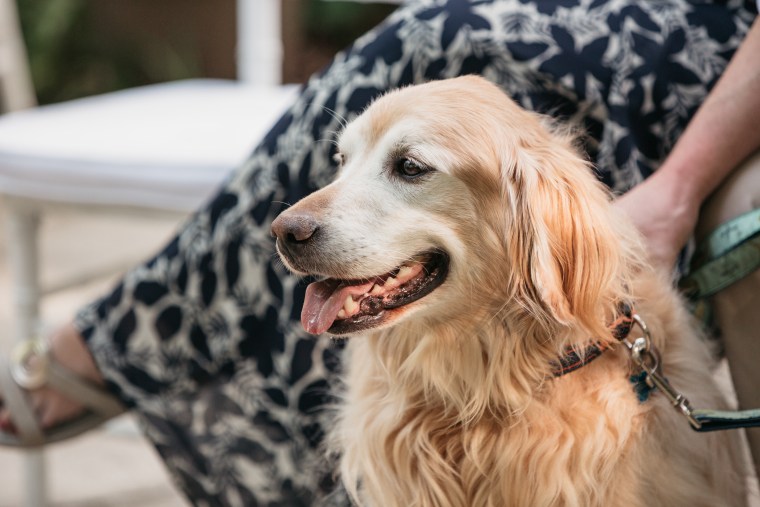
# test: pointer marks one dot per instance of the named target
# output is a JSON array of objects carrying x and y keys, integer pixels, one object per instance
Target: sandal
[{"x": 32, "y": 367}]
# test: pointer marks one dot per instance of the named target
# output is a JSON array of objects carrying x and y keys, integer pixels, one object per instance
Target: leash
[
  {"x": 728, "y": 254},
  {"x": 645, "y": 356}
]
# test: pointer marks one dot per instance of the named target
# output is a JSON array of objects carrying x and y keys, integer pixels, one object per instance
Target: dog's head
[{"x": 452, "y": 200}]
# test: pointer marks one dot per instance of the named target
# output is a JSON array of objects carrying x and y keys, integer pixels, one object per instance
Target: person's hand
[
  {"x": 664, "y": 214},
  {"x": 722, "y": 133}
]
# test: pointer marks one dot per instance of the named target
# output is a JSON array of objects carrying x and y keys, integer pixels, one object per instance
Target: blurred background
[
  {"x": 81, "y": 48},
  {"x": 85, "y": 47}
]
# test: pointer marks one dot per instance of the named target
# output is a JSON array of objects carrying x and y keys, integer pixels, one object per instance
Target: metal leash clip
[{"x": 646, "y": 357}]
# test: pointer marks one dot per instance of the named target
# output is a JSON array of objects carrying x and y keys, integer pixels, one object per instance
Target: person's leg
[{"x": 736, "y": 307}]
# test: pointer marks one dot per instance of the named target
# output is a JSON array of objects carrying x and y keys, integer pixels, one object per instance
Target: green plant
[
  {"x": 340, "y": 23},
  {"x": 69, "y": 57}
]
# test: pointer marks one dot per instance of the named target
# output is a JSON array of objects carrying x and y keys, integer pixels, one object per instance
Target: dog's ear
[{"x": 560, "y": 235}]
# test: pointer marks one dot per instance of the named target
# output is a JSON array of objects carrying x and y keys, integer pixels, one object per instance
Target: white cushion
[{"x": 165, "y": 146}]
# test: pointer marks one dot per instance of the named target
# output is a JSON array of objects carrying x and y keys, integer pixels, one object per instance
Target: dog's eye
[{"x": 409, "y": 169}]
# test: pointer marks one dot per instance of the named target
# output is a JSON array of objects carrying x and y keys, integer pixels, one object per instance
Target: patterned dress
[{"x": 204, "y": 341}]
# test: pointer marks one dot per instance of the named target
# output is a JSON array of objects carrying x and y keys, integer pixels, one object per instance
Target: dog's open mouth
[{"x": 346, "y": 306}]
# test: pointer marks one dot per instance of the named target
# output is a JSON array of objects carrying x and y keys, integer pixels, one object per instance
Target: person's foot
[{"x": 67, "y": 348}]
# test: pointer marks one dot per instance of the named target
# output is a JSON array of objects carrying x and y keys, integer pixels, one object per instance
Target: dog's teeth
[
  {"x": 350, "y": 305},
  {"x": 391, "y": 283},
  {"x": 404, "y": 272},
  {"x": 376, "y": 289},
  {"x": 341, "y": 313}
]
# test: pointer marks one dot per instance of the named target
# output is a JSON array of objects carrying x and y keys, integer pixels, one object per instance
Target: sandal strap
[
  {"x": 20, "y": 409},
  {"x": 33, "y": 367},
  {"x": 82, "y": 391}
]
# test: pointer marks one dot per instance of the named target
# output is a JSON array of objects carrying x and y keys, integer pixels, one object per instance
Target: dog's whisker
[
  {"x": 334, "y": 135},
  {"x": 277, "y": 260},
  {"x": 326, "y": 140},
  {"x": 341, "y": 119}
]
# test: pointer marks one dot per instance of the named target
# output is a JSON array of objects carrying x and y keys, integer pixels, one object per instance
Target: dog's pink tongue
[{"x": 323, "y": 302}]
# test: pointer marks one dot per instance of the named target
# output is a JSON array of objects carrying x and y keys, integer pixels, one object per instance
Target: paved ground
[{"x": 114, "y": 466}]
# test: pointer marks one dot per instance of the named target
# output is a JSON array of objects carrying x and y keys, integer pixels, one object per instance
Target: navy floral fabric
[{"x": 203, "y": 340}]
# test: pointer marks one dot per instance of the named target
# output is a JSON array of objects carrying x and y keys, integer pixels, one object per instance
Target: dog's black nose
[{"x": 295, "y": 228}]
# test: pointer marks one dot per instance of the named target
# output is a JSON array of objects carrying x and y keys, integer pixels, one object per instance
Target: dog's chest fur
[
  {"x": 583, "y": 439},
  {"x": 414, "y": 449}
]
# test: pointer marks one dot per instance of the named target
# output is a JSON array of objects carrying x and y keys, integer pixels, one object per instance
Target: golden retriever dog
[{"x": 466, "y": 247}]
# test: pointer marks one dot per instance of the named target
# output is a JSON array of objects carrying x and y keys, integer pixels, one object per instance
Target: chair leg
[
  {"x": 736, "y": 307},
  {"x": 22, "y": 230}
]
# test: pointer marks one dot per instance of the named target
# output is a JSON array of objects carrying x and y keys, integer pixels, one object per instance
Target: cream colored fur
[{"x": 453, "y": 403}]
